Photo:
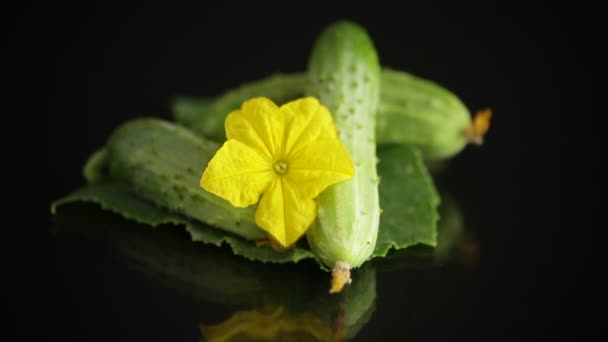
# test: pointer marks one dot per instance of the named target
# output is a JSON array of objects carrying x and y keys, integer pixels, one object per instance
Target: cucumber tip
[{"x": 340, "y": 276}]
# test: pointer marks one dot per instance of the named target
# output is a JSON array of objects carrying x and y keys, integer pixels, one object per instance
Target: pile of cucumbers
[{"x": 373, "y": 108}]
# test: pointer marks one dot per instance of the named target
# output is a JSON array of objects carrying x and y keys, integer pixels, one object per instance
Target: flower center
[{"x": 280, "y": 167}]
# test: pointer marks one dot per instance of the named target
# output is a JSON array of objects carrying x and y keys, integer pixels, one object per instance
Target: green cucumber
[
  {"x": 344, "y": 74},
  {"x": 163, "y": 163},
  {"x": 412, "y": 111},
  {"x": 280, "y": 88},
  {"x": 421, "y": 113}
]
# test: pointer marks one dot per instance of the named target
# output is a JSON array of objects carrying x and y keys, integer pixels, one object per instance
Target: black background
[{"x": 84, "y": 69}]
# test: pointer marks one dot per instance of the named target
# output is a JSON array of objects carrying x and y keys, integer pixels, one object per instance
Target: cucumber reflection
[
  {"x": 455, "y": 244},
  {"x": 322, "y": 317},
  {"x": 289, "y": 301}
]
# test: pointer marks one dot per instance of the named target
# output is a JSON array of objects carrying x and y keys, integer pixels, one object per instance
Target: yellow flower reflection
[
  {"x": 271, "y": 323},
  {"x": 286, "y": 154}
]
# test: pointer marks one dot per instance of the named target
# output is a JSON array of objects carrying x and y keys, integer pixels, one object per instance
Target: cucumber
[
  {"x": 418, "y": 112},
  {"x": 412, "y": 111},
  {"x": 206, "y": 116},
  {"x": 344, "y": 74},
  {"x": 163, "y": 162}
]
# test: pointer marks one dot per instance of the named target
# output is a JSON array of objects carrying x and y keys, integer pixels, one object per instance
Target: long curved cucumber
[
  {"x": 344, "y": 73},
  {"x": 206, "y": 116},
  {"x": 412, "y": 110}
]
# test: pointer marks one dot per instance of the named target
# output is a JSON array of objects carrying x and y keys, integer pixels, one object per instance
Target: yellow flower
[{"x": 286, "y": 154}]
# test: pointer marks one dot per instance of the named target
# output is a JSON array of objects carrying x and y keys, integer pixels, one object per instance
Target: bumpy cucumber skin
[
  {"x": 142, "y": 153},
  {"x": 419, "y": 112},
  {"x": 207, "y": 116},
  {"x": 412, "y": 111},
  {"x": 344, "y": 73}
]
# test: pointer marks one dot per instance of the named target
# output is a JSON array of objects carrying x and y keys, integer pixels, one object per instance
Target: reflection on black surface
[
  {"x": 276, "y": 302},
  {"x": 454, "y": 242}
]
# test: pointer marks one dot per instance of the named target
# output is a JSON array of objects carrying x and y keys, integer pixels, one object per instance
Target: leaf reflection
[{"x": 280, "y": 301}]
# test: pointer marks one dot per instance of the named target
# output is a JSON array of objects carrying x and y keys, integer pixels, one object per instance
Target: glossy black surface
[{"x": 88, "y": 68}]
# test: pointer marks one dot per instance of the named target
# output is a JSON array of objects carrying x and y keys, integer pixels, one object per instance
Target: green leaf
[
  {"x": 408, "y": 199},
  {"x": 119, "y": 199}
]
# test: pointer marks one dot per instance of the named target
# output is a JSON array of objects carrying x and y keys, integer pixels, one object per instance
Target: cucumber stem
[
  {"x": 340, "y": 276},
  {"x": 479, "y": 127}
]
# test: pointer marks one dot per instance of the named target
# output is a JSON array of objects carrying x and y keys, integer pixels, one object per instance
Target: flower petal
[
  {"x": 259, "y": 124},
  {"x": 306, "y": 120},
  {"x": 238, "y": 174},
  {"x": 284, "y": 213},
  {"x": 319, "y": 165}
]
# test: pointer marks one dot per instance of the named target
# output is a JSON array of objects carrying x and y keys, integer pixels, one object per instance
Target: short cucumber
[
  {"x": 344, "y": 73},
  {"x": 419, "y": 112},
  {"x": 163, "y": 162},
  {"x": 412, "y": 111}
]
